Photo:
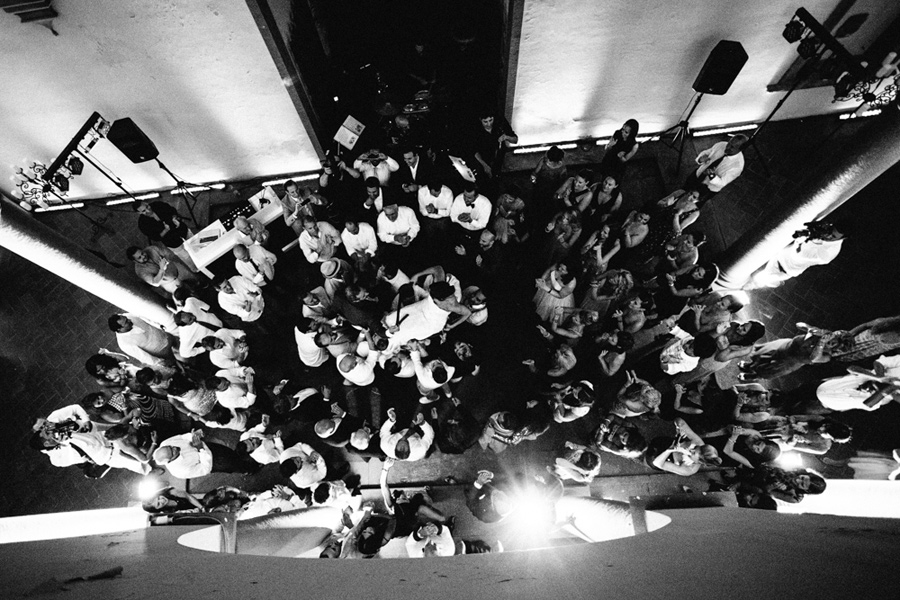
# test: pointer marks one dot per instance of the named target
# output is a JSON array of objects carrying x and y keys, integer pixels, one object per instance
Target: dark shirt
[{"x": 153, "y": 229}]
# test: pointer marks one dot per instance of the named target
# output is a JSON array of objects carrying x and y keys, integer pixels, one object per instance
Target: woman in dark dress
[{"x": 620, "y": 149}]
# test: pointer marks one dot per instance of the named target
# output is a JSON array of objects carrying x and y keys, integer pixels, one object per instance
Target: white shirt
[
  {"x": 424, "y": 373},
  {"x": 311, "y": 473},
  {"x": 418, "y": 445},
  {"x": 441, "y": 203},
  {"x": 444, "y": 544},
  {"x": 270, "y": 448},
  {"x": 190, "y": 335},
  {"x": 238, "y": 395},
  {"x": 382, "y": 171},
  {"x": 145, "y": 342},
  {"x": 191, "y": 462},
  {"x": 323, "y": 247},
  {"x": 310, "y": 354},
  {"x": 260, "y": 269},
  {"x": 726, "y": 171},
  {"x": 365, "y": 241},
  {"x": 228, "y": 356},
  {"x": 480, "y": 211},
  {"x": 363, "y": 373},
  {"x": 406, "y": 223},
  {"x": 246, "y": 302}
]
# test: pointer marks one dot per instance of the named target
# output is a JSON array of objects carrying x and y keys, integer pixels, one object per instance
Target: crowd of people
[{"x": 364, "y": 332}]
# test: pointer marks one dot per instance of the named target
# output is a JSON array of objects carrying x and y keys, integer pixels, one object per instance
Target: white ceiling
[
  {"x": 587, "y": 66},
  {"x": 195, "y": 76}
]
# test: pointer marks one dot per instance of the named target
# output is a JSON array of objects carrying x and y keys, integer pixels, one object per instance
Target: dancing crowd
[{"x": 369, "y": 318}]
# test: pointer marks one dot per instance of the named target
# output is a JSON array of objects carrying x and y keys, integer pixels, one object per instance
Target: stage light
[
  {"x": 148, "y": 196},
  {"x": 120, "y": 201},
  {"x": 305, "y": 177},
  {"x": 867, "y": 113},
  {"x": 793, "y": 31},
  {"x": 54, "y": 207},
  {"x": 198, "y": 188},
  {"x": 148, "y": 487},
  {"x": 790, "y": 460},
  {"x": 61, "y": 182},
  {"x": 75, "y": 165},
  {"x": 721, "y": 130},
  {"x": 809, "y": 47}
]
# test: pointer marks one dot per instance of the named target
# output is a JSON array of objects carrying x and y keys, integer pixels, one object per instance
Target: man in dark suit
[{"x": 415, "y": 172}]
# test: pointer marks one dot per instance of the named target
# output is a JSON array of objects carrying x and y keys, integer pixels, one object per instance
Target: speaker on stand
[
  {"x": 721, "y": 68},
  {"x": 134, "y": 144}
]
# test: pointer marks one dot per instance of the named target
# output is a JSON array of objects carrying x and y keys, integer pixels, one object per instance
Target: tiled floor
[{"x": 49, "y": 327}]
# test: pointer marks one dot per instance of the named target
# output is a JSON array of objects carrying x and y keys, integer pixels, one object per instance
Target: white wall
[
  {"x": 195, "y": 76},
  {"x": 586, "y": 66}
]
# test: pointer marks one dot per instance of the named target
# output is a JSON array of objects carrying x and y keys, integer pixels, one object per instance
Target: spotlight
[
  {"x": 148, "y": 487},
  {"x": 793, "y": 31},
  {"x": 75, "y": 165},
  {"x": 808, "y": 47},
  {"x": 61, "y": 182},
  {"x": 790, "y": 460}
]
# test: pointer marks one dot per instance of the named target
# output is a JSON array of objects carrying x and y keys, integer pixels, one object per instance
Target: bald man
[
  {"x": 254, "y": 263},
  {"x": 250, "y": 231}
]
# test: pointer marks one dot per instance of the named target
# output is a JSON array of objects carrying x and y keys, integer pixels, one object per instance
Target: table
[{"x": 214, "y": 240}]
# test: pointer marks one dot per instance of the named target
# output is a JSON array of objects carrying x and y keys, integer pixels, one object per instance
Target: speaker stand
[
  {"x": 189, "y": 198},
  {"x": 681, "y": 131}
]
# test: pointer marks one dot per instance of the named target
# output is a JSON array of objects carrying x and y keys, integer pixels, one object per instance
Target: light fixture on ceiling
[{"x": 794, "y": 30}]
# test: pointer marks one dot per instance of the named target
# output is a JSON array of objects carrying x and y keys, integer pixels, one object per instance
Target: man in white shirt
[
  {"x": 186, "y": 456},
  {"x": 430, "y": 376},
  {"x": 240, "y": 297},
  {"x": 357, "y": 370},
  {"x": 310, "y": 354},
  {"x": 376, "y": 164},
  {"x": 234, "y": 387},
  {"x": 435, "y": 201},
  {"x": 255, "y": 264},
  {"x": 192, "y": 330},
  {"x": 302, "y": 465},
  {"x": 397, "y": 228},
  {"x": 319, "y": 240},
  {"x": 139, "y": 339},
  {"x": 250, "y": 231},
  {"x": 719, "y": 166},
  {"x": 360, "y": 241},
  {"x": 471, "y": 212},
  {"x": 409, "y": 444},
  {"x": 228, "y": 348}
]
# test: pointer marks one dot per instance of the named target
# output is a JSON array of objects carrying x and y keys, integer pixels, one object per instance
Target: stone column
[
  {"x": 24, "y": 235},
  {"x": 874, "y": 149}
]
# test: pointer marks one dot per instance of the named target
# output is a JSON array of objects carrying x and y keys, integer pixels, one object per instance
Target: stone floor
[{"x": 48, "y": 327}]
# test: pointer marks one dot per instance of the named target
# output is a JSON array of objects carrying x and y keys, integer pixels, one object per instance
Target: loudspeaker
[
  {"x": 721, "y": 68},
  {"x": 131, "y": 141}
]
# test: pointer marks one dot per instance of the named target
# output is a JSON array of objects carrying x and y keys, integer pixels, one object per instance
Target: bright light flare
[
  {"x": 790, "y": 461},
  {"x": 148, "y": 487}
]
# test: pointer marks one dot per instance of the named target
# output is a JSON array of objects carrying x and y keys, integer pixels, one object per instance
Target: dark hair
[
  {"x": 287, "y": 468},
  {"x": 392, "y": 367},
  {"x": 441, "y": 290},
  {"x": 218, "y": 280},
  {"x": 179, "y": 317},
  {"x": 372, "y": 182},
  {"x": 439, "y": 373},
  {"x": 402, "y": 449},
  {"x": 588, "y": 460},
  {"x": 180, "y": 384},
  {"x": 711, "y": 273},
  {"x": 838, "y": 431},
  {"x": 182, "y": 294},
  {"x": 87, "y": 401},
  {"x": 770, "y": 452},
  {"x": 212, "y": 382},
  {"x": 634, "y": 130},
  {"x": 704, "y": 346},
  {"x": 145, "y": 376},
  {"x": 320, "y": 494},
  {"x": 130, "y": 250},
  {"x": 757, "y": 330},
  {"x": 555, "y": 154},
  {"x": 302, "y": 323},
  {"x": 208, "y": 341},
  {"x": 307, "y": 220},
  {"x": 113, "y": 323},
  {"x": 817, "y": 483},
  {"x": 100, "y": 361},
  {"x": 320, "y": 339},
  {"x": 624, "y": 341},
  {"x": 288, "y": 184},
  {"x": 469, "y": 186},
  {"x": 586, "y": 174},
  {"x": 383, "y": 526},
  {"x": 116, "y": 432},
  {"x": 408, "y": 148},
  {"x": 391, "y": 268}
]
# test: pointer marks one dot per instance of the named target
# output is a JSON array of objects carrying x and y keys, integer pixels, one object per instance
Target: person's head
[
  {"x": 583, "y": 179},
  {"x": 242, "y": 224},
  {"x": 93, "y": 400},
  {"x": 608, "y": 185},
  {"x": 703, "y": 276},
  {"x": 373, "y": 187},
  {"x": 641, "y": 217},
  {"x": 117, "y": 432},
  {"x": 181, "y": 296},
  {"x": 755, "y": 499},
  {"x": 486, "y": 239},
  {"x": 470, "y": 192},
  {"x": 222, "y": 284},
  {"x": 391, "y": 211},
  {"x": 401, "y": 450},
  {"x": 120, "y": 324},
  {"x": 99, "y": 365},
  {"x": 555, "y": 156},
  {"x": 324, "y": 339},
  {"x": 180, "y": 384},
  {"x": 216, "y": 384},
  {"x": 146, "y": 376},
  {"x": 730, "y": 303},
  {"x": 709, "y": 456},
  {"x": 143, "y": 208},
  {"x": 352, "y": 227},
  {"x": 393, "y": 365},
  {"x": 241, "y": 253},
  {"x": 348, "y": 362},
  {"x": 248, "y": 446},
  {"x": 735, "y": 143},
  {"x": 211, "y": 342},
  {"x": 809, "y": 482},
  {"x": 765, "y": 450},
  {"x": 487, "y": 121},
  {"x": 310, "y": 226},
  {"x": 290, "y": 466},
  {"x": 325, "y": 428},
  {"x": 439, "y": 373},
  {"x": 688, "y": 199},
  {"x": 165, "y": 454},
  {"x": 630, "y": 129},
  {"x": 411, "y": 156},
  {"x": 292, "y": 189},
  {"x": 702, "y": 346},
  {"x": 435, "y": 188},
  {"x": 835, "y": 431},
  {"x": 355, "y": 293},
  {"x": 183, "y": 318},
  {"x": 747, "y": 334},
  {"x": 136, "y": 254},
  {"x": 441, "y": 290},
  {"x": 321, "y": 493},
  {"x": 360, "y": 439}
]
